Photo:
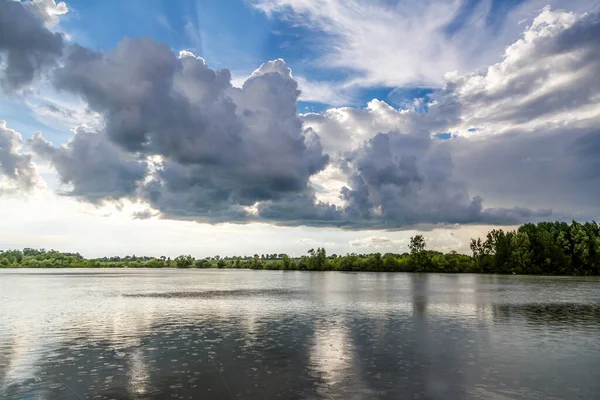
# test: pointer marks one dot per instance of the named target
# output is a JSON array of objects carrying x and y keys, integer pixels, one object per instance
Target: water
[{"x": 191, "y": 334}]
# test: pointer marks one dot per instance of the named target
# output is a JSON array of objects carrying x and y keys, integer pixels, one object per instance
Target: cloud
[
  {"x": 27, "y": 46},
  {"x": 47, "y": 10},
  {"x": 222, "y": 148},
  {"x": 396, "y": 181},
  {"x": 347, "y": 128},
  {"x": 404, "y": 43},
  {"x": 316, "y": 91},
  {"x": 315, "y": 242},
  {"x": 301, "y": 209},
  {"x": 17, "y": 172},
  {"x": 375, "y": 242},
  {"x": 321, "y": 92},
  {"x": 95, "y": 169},
  {"x": 401, "y": 180},
  {"x": 555, "y": 167},
  {"x": 145, "y": 214},
  {"x": 547, "y": 77},
  {"x": 60, "y": 110}
]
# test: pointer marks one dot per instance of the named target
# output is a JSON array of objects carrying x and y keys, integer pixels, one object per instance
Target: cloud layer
[
  {"x": 408, "y": 43},
  {"x": 177, "y": 136}
]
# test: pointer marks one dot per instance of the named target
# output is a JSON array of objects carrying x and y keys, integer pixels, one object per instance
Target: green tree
[
  {"x": 417, "y": 251},
  {"x": 520, "y": 258},
  {"x": 286, "y": 262},
  {"x": 184, "y": 261}
]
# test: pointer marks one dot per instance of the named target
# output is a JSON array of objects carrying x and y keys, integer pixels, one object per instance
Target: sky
[{"x": 276, "y": 126}]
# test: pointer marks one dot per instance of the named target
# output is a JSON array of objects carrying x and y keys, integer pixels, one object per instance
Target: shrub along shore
[{"x": 547, "y": 248}]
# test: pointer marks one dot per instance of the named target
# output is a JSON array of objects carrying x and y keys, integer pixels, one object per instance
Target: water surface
[{"x": 212, "y": 334}]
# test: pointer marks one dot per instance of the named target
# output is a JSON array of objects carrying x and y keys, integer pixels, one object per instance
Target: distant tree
[
  {"x": 417, "y": 251},
  {"x": 417, "y": 244},
  {"x": 184, "y": 261},
  {"x": 543, "y": 248},
  {"x": 286, "y": 262},
  {"x": 256, "y": 263},
  {"x": 202, "y": 263}
]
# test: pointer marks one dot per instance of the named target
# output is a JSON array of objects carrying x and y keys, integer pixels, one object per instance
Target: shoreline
[{"x": 292, "y": 270}]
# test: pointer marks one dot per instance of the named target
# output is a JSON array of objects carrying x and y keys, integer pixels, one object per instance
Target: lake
[{"x": 229, "y": 334}]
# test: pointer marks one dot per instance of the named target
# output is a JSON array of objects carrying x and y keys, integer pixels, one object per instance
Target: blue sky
[{"x": 227, "y": 34}]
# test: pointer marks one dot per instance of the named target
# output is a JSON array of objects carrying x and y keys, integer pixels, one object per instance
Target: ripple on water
[{"x": 263, "y": 335}]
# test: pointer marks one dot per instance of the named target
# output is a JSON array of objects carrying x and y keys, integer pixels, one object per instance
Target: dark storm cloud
[
  {"x": 556, "y": 167},
  {"x": 396, "y": 181},
  {"x": 302, "y": 209},
  {"x": 96, "y": 169},
  {"x": 16, "y": 167},
  {"x": 401, "y": 180},
  {"x": 222, "y": 148},
  {"x": 26, "y": 45}
]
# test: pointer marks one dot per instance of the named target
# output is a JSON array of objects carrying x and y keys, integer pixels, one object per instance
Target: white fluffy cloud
[
  {"x": 546, "y": 79},
  {"x": 310, "y": 90}
]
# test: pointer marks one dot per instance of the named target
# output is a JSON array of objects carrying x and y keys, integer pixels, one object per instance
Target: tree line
[{"x": 548, "y": 248}]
